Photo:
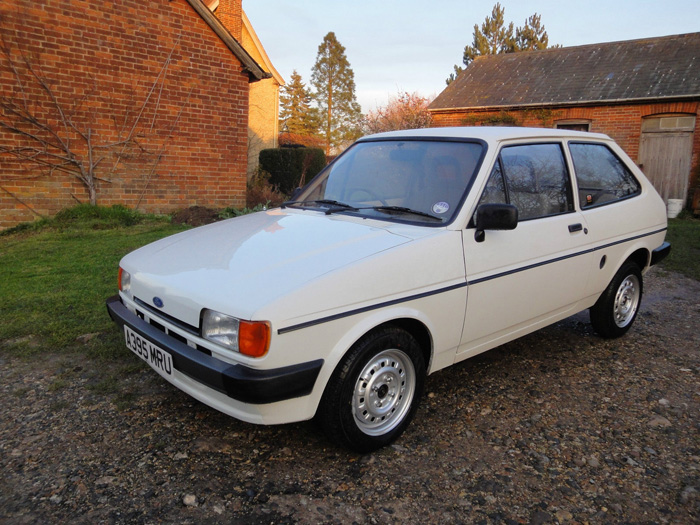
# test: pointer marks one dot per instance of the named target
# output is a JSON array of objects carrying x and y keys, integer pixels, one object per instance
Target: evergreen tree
[
  {"x": 494, "y": 37},
  {"x": 532, "y": 35},
  {"x": 295, "y": 108},
  {"x": 334, "y": 84}
]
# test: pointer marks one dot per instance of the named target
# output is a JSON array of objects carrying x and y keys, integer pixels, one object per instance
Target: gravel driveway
[{"x": 558, "y": 427}]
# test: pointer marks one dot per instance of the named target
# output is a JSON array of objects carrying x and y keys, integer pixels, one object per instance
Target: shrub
[
  {"x": 111, "y": 216},
  {"x": 259, "y": 191},
  {"x": 88, "y": 216},
  {"x": 230, "y": 212},
  {"x": 290, "y": 168}
]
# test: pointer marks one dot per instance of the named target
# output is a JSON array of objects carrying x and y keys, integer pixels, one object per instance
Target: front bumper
[{"x": 236, "y": 381}]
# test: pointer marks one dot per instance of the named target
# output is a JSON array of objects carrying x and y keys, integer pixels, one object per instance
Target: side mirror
[
  {"x": 495, "y": 217},
  {"x": 294, "y": 194}
]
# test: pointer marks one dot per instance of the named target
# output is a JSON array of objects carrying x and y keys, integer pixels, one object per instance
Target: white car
[{"x": 412, "y": 251}]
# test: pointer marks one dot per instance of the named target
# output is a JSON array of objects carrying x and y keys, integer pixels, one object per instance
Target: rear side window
[
  {"x": 600, "y": 175},
  {"x": 533, "y": 178}
]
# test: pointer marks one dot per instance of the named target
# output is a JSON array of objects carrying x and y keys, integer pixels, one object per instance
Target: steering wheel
[{"x": 368, "y": 193}]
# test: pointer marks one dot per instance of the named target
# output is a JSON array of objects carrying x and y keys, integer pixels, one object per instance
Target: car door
[{"x": 522, "y": 279}]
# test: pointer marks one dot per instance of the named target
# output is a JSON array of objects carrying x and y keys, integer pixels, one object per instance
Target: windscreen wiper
[
  {"x": 401, "y": 209},
  {"x": 335, "y": 205}
]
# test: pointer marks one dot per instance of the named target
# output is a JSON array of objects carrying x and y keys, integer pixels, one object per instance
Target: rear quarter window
[{"x": 601, "y": 176}]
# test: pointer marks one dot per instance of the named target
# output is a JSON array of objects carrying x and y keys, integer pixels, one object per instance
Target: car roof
[{"x": 487, "y": 133}]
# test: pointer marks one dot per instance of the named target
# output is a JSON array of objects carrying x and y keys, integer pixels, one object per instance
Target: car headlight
[
  {"x": 124, "y": 280},
  {"x": 246, "y": 337}
]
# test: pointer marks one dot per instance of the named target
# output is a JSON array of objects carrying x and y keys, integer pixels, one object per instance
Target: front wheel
[
  {"x": 616, "y": 309},
  {"x": 375, "y": 390}
]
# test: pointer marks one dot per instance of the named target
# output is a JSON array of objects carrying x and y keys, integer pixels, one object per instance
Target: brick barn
[
  {"x": 147, "y": 102},
  {"x": 644, "y": 93}
]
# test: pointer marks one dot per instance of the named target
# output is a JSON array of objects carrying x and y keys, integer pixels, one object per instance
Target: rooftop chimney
[{"x": 230, "y": 12}]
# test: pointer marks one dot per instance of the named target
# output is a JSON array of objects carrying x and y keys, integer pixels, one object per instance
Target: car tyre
[
  {"x": 374, "y": 391},
  {"x": 616, "y": 309}
]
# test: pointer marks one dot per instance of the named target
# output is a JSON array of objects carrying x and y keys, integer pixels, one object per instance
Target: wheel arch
[
  {"x": 415, "y": 327},
  {"x": 420, "y": 333},
  {"x": 640, "y": 257}
]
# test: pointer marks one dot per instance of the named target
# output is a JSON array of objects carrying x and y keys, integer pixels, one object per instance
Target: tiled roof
[{"x": 650, "y": 68}]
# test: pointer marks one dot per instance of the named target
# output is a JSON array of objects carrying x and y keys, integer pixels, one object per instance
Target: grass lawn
[
  {"x": 54, "y": 280},
  {"x": 684, "y": 236}
]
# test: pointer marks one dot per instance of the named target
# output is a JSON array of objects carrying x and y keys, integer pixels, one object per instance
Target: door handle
[{"x": 575, "y": 227}]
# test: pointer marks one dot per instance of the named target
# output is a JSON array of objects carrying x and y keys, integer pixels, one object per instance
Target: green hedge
[{"x": 286, "y": 166}]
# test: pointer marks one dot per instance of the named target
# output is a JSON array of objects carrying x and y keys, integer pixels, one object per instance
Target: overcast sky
[{"x": 412, "y": 45}]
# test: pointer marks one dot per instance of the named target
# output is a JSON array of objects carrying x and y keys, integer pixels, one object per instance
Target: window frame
[
  {"x": 506, "y": 185},
  {"x": 571, "y": 124},
  {"x": 411, "y": 138}
]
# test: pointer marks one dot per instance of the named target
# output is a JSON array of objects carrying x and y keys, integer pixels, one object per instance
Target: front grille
[
  {"x": 159, "y": 326},
  {"x": 194, "y": 330},
  {"x": 204, "y": 350},
  {"x": 145, "y": 312},
  {"x": 177, "y": 336}
]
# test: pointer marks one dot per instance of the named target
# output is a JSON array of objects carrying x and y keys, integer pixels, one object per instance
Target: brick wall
[
  {"x": 623, "y": 123},
  {"x": 153, "y": 72}
]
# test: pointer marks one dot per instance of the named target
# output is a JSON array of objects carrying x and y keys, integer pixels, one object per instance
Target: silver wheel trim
[
  {"x": 383, "y": 392},
  {"x": 626, "y": 301}
]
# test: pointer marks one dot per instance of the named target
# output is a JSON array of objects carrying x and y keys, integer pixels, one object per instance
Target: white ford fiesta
[{"x": 412, "y": 251}]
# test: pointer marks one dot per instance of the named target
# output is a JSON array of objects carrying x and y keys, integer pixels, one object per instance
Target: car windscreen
[{"x": 417, "y": 181}]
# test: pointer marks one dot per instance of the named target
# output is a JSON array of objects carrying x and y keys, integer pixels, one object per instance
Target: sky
[{"x": 412, "y": 45}]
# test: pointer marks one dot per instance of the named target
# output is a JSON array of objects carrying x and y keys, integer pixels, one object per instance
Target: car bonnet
[{"x": 240, "y": 265}]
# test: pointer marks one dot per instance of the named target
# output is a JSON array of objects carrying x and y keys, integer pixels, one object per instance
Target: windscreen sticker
[{"x": 440, "y": 207}]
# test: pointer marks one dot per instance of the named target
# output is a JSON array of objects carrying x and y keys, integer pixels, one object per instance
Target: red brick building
[
  {"x": 643, "y": 93},
  {"x": 147, "y": 99}
]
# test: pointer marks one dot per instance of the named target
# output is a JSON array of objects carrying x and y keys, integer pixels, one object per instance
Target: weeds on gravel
[
  {"x": 58, "y": 384},
  {"x": 108, "y": 385},
  {"x": 125, "y": 400}
]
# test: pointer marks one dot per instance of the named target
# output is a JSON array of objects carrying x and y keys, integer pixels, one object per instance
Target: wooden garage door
[{"x": 665, "y": 153}]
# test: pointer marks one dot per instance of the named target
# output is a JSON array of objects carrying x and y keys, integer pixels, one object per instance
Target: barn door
[{"x": 665, "y": 152}]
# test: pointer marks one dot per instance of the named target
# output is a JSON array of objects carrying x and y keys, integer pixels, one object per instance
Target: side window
[
  {"x": 600, "y": 175},
  {"x": 537, "y": 181}
]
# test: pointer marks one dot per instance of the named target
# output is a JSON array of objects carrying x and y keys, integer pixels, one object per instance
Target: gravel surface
[{"x": 558, "y": 427}]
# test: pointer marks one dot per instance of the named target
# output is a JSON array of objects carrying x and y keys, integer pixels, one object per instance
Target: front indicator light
[
  {"x": 124, "y": 281},
  {"x": 254, "y": 338}
]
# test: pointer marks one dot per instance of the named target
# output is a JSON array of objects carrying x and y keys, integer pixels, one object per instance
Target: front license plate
[{"x": 155, "y": 356}]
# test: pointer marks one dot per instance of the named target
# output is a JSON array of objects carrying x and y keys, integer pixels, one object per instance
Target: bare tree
[
  {"x": 53, "y": 136},
  {"x": 405, "y": 111}
]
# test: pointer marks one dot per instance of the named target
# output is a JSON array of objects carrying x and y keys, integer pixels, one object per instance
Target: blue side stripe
[
  {"x": 455, "y": 286},
  {"x": 557, "y": 259}
]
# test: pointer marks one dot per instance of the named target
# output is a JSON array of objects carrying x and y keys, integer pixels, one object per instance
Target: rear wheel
[
  {"x": 375, "y": 390},
  {"x": 616, "y": 310}
]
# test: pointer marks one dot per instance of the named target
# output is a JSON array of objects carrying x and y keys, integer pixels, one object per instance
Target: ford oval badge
[{"x": 158, "y": 302}]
